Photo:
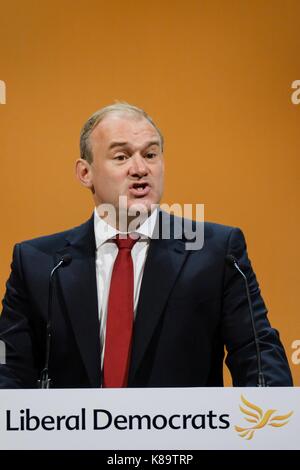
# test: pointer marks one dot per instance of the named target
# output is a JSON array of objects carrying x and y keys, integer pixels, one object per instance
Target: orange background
[{"x": 215, "y": 75}]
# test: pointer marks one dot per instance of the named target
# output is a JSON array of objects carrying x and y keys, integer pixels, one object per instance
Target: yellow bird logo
[{"x": 254, "y": 414}]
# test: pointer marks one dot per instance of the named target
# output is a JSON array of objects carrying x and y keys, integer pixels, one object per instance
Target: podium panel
[{"x": 161, "y": 418}]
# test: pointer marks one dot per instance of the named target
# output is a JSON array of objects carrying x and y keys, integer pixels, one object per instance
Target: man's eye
[
  {"x": 120, "y": 158},
  {"x": 150, "y": 155}
]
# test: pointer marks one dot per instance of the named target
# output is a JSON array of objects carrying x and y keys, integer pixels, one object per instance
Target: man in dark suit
[{"x": 187, "y": 305}]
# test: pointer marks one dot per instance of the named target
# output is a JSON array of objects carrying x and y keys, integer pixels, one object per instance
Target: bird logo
[{"x": 254, "y": 414}]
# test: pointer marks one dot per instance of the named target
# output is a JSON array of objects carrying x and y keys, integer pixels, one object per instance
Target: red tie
[{"x": 119, "y": 317}]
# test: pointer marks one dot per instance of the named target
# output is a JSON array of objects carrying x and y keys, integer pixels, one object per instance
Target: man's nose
[{"x": 138, "y": 166}]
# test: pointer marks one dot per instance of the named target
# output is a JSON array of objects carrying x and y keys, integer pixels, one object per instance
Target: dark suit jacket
[{"x": 191, "y": 305}]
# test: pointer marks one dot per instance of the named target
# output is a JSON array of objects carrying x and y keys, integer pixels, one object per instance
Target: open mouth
[
  {"x": 139, "y": 186},
  {"x": 139, "y": 189}
]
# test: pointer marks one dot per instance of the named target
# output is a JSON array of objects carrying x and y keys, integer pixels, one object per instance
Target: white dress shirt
[{"x": 106, "y": 253}]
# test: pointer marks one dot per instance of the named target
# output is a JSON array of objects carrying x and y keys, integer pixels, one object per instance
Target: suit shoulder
[
  {"x": 221, "y": 229},
  {"x": 54, "y": 240},
  {"x": 212, "y": 234},
  {"x": 210, "y": 228}
]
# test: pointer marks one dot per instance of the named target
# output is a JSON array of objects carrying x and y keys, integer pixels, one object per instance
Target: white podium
[{"x": 142, "y": 419}]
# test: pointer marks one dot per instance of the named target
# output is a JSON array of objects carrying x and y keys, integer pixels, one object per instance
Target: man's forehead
[{"x": 115, "y": 126}]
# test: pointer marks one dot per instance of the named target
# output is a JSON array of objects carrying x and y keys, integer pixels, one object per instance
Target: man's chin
[
  {"x": 127, "y": 212},
  {"x": 141, "y": 207}
]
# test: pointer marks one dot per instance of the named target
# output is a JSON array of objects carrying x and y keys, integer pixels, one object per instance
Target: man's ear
[{"x": 84, "y": 173}]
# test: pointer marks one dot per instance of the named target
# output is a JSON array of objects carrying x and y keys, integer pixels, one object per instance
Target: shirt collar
[{"x": 104, "y": 231}]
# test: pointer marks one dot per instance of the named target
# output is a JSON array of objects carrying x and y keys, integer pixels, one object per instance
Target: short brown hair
[{"x": 98, "y": 116}]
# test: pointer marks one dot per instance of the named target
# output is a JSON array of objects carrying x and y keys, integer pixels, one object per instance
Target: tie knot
[{"x": 125, "y": 243}]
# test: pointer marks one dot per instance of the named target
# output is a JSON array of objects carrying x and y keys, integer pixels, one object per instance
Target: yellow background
[{"x": 215, "y": 75}]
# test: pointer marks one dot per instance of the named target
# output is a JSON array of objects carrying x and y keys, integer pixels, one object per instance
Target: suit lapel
[
  {"x": 164, "y": 262},
  {"x": 79, "y": 288}
]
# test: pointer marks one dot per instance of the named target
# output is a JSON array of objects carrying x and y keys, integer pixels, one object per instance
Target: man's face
[{"x": 127, "y": 161}]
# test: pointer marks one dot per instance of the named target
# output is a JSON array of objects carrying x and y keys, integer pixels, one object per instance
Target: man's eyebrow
[
  {"x": 152, "y": 142},
  {"x": 112, "y": 145},
  {"x": 117, "y": 144}
]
